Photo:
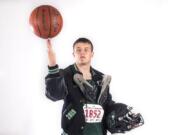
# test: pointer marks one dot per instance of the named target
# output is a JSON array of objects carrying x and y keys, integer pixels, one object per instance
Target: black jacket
[{"x": 61, "y": 86}]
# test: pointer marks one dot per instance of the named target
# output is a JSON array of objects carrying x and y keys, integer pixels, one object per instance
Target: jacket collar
[{"x": 95, "y": 74}]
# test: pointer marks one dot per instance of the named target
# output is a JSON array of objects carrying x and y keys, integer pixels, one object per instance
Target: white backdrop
[{"x": 136, "y": 41}]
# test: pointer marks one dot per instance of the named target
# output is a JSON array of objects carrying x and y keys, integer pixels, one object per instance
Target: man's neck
[{"x": 84, "y": 68}]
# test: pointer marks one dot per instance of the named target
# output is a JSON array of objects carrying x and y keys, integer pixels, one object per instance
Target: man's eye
[
  {"x": 78, "y": 50},
  {"x": 86, "y": 50}
]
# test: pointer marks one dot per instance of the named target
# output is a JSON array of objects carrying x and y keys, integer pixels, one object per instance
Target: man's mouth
[{"x": 82, "y": 57}]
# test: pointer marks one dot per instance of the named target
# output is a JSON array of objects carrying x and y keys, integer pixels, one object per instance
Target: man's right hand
[{"x": 51, "y": 54}]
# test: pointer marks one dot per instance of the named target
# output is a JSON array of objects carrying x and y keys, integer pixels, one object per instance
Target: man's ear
[
  {"x": 92, "y": 54},
  {"x": 73, "y": 53}
]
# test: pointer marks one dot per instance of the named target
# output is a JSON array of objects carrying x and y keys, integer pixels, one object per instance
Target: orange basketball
[{"x": 46, "y": 21}]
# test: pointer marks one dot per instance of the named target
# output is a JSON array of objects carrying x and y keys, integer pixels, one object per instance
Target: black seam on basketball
[
  {"x": 37, "y": 23},
  {"x": 49, "y": 22}
]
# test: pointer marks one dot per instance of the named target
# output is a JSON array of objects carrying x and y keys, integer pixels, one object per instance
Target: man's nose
[{"x": 82, "y": 52}]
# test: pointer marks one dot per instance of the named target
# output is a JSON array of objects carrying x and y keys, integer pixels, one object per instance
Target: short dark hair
[{"x": 83, "y": 40}]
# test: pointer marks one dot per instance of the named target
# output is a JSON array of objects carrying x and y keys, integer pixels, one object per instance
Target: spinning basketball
[{"x": 46, "y": 21}]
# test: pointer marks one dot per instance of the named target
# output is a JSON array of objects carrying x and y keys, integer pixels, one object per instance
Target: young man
[{"x": 88, "y": 106}]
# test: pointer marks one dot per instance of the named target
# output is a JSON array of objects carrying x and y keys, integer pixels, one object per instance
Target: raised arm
[{"x": 56, "y": 88}]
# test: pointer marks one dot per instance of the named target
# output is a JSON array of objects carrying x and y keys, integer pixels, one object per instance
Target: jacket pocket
[{"x": 68, "y": 116}]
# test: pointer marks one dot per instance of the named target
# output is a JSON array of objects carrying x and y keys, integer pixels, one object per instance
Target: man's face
[{"x": 82, "y": 53}]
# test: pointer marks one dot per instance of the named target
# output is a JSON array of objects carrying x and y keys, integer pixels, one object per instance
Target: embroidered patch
[
  {"x": 93, "y": 113},
  {"x": 71, "y": 114}
]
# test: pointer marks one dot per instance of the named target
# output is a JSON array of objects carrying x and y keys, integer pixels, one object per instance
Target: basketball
[{"x": 46, "y": 21}]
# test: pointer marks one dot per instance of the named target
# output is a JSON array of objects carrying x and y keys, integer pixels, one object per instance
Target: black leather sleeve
[
  {"x": 109, "y": 100},
  {"x": 56, "y": 88}
]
